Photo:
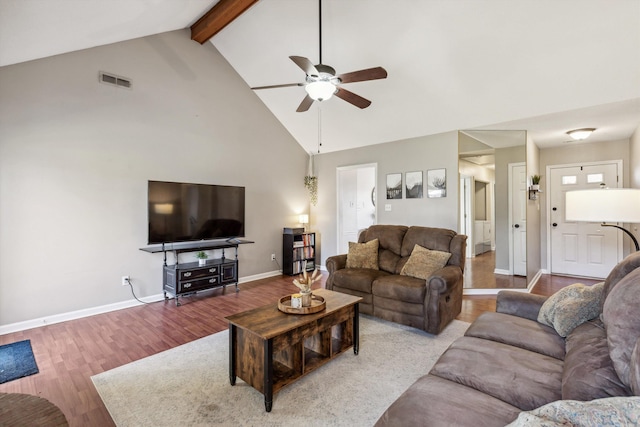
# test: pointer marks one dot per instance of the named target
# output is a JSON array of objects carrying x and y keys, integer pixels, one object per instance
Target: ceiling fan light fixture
[
  {"x": 320, "y": 90},
  {"x": 580, "y": 134}
]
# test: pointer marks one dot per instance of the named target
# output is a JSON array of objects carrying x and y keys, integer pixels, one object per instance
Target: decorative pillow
[
  {"x": 621, "y": 318},
  {"x": 571, "y": 306},
  {"x": 611, "y": 411},
  {"x": 363, "y": 255},
  {"x": 424, "y": 262},
  {"x": 634, "y": 369}
]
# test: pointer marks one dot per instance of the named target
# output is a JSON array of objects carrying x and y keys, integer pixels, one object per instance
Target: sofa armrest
[
  {"x": 519, "y": 304},
  {"x": 336, "y": 262},
  {"x": 443, "y": 300},
  {"x": 444, "y": 279},
  {"x": 333, "y": 264}
]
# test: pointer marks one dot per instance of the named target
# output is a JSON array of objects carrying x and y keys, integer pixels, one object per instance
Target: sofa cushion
[
  {"x": 522, "y": 378},
  {"x": 359, "y": 279},
  {"x": 621, "y": 317},
  {"x": 634, "y": 369},
  {"x": 390, "y": 236},
  {"x": 519, "y": 332},
  {"x": 388, "y": 260},
  {"x": 588, "y": 369},
  {"x": 363, "y": 255},
  {"x": 431, "y": 238},
  {"x": 437, "y": 402},
  {"x": 424, "y": 262},
  {"x": 571, "y": 306},
  {"x": 400, "y": 288}
]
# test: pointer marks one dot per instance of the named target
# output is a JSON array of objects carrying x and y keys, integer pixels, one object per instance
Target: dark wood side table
[{"x": 269, "y": 349}]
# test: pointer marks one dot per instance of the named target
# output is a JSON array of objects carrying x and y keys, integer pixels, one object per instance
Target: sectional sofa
[{"x": 528, "y": 364}]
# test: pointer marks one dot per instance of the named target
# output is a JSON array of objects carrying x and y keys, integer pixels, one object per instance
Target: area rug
[
  {"x": 17, "y": 361},
  {"x": 189, "y": 385}
]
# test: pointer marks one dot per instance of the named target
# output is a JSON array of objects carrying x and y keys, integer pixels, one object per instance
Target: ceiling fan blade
[
  {"x": 306, "y": 65},
  {"x": 305, "y": 104},
  {"x": 352, "y": 98},
  {"x": 276, "y": 86},
  {"x": 362, "y": 75}
]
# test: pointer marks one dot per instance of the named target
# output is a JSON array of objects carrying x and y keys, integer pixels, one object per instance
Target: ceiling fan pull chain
[{"x": 319, "y": 127}]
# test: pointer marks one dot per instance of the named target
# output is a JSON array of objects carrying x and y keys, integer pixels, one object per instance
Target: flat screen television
[{"x": 182, "y": 212}]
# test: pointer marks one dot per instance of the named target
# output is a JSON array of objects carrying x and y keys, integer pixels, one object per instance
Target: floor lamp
[{"x": 605, "y": 205}]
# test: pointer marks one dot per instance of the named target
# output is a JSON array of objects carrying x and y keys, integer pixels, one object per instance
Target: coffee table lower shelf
[{"x": 270, "y": 349}]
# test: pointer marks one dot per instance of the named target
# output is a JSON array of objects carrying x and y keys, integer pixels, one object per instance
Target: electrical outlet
[
  {"x": 125, "y": 280},
  {"x": 273, "y": 257}
]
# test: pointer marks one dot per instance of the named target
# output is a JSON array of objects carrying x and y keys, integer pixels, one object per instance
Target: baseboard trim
[
  {"x": 78, "y": 314},
  {"x": 489, "y": 291}
]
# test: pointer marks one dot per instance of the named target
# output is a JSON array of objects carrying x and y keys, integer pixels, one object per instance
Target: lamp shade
[
  {"x": 163, "y": 208},
  {"x": 603, "y": 205},
  {"x": 320, "y": 90},
  {"x": 304, "y": 219}
]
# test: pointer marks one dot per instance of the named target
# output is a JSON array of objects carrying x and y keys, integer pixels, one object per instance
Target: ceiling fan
[{"x": 321, "y": 81}]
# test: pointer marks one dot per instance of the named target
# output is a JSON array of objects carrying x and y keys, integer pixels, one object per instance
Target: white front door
[
  {"x": 518, "y": 205},
  {"x": 581, "y": 248}
]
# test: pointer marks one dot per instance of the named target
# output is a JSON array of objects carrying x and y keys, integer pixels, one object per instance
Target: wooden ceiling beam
[{"x": 219, "y": 16}]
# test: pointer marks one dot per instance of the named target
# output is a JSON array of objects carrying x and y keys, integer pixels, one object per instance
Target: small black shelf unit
[
  {"x": 190, "y": 277},
  {"x": 298, "y": 251}
]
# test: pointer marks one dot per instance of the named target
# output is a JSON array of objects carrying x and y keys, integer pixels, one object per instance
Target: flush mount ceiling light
[{"x": 579, "y": 134}]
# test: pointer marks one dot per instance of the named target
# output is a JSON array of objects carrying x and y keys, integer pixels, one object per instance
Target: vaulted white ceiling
[{"x": 545, "y": 66}]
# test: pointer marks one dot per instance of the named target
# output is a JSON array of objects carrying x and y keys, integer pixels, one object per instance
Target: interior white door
[
  {"x": 356, "y": 209},
  {"x": 518, "y": 203},
  {"x": 581, "y": 248}
]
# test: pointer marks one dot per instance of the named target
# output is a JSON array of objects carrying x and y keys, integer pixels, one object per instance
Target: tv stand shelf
[{"x": 188, "y": 278}]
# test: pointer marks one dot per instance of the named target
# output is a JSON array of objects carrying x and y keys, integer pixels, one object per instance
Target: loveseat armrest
[
  {"x": 443, "y": 280},
  {"x": 443, "y": 300},
  {"x": 336, "y": 262},
  {"x": 519, "y": 304},
  {"x": 333, "y": 264}
]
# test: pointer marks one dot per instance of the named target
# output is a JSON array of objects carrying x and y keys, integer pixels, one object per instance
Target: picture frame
[
  {"x": 394, "y": 186},
  {"x": 437, "y": 183},
  {"x": 413, "y": 185}
]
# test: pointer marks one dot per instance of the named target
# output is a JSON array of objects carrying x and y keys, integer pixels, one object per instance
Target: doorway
[
  {"x": 581, "y": 248},
  {"x": 356, "y": 202}
]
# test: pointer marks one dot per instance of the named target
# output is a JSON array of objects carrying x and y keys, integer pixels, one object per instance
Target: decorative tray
[{"x": 317, "y": 304}]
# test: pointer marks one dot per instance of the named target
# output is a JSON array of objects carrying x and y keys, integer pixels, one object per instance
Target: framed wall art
[
  {"x": 437, "y": 183},
  {"x": 394, "y": 186},
  {"x": 413, "y": 185}
]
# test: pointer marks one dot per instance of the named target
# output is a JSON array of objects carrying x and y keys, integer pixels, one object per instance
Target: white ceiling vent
[{"x": 112, "y": 79}]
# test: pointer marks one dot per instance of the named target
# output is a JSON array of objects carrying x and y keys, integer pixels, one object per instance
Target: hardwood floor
[
  {"x": 479, "y": 273},
  {"x": 69, "y": 353}
]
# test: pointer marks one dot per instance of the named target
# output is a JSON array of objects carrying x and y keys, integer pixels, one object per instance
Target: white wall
[
  {"x": 76, "y": 155},
  {"x": 423, "y": 153}
]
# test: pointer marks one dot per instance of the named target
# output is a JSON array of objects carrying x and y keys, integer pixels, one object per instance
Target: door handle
[
  {"x": 517, "y": 226},
  {"x": 555, "y": 224}
]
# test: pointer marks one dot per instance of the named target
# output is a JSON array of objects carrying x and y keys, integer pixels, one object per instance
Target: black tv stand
[{"x": 182, "y": 279}]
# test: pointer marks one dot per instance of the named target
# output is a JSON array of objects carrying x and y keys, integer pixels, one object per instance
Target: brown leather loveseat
[{"x": 428, "y": 303}]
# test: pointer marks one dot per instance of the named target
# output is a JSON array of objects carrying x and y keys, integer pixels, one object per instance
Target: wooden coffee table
[{"x": 269, "y": 349}]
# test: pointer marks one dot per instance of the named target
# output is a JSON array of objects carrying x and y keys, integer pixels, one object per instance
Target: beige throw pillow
[
  {"x": 424, "y": 262},
  {"x": 363, "y": 255},
  {"x": 571, "y": 306}
]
